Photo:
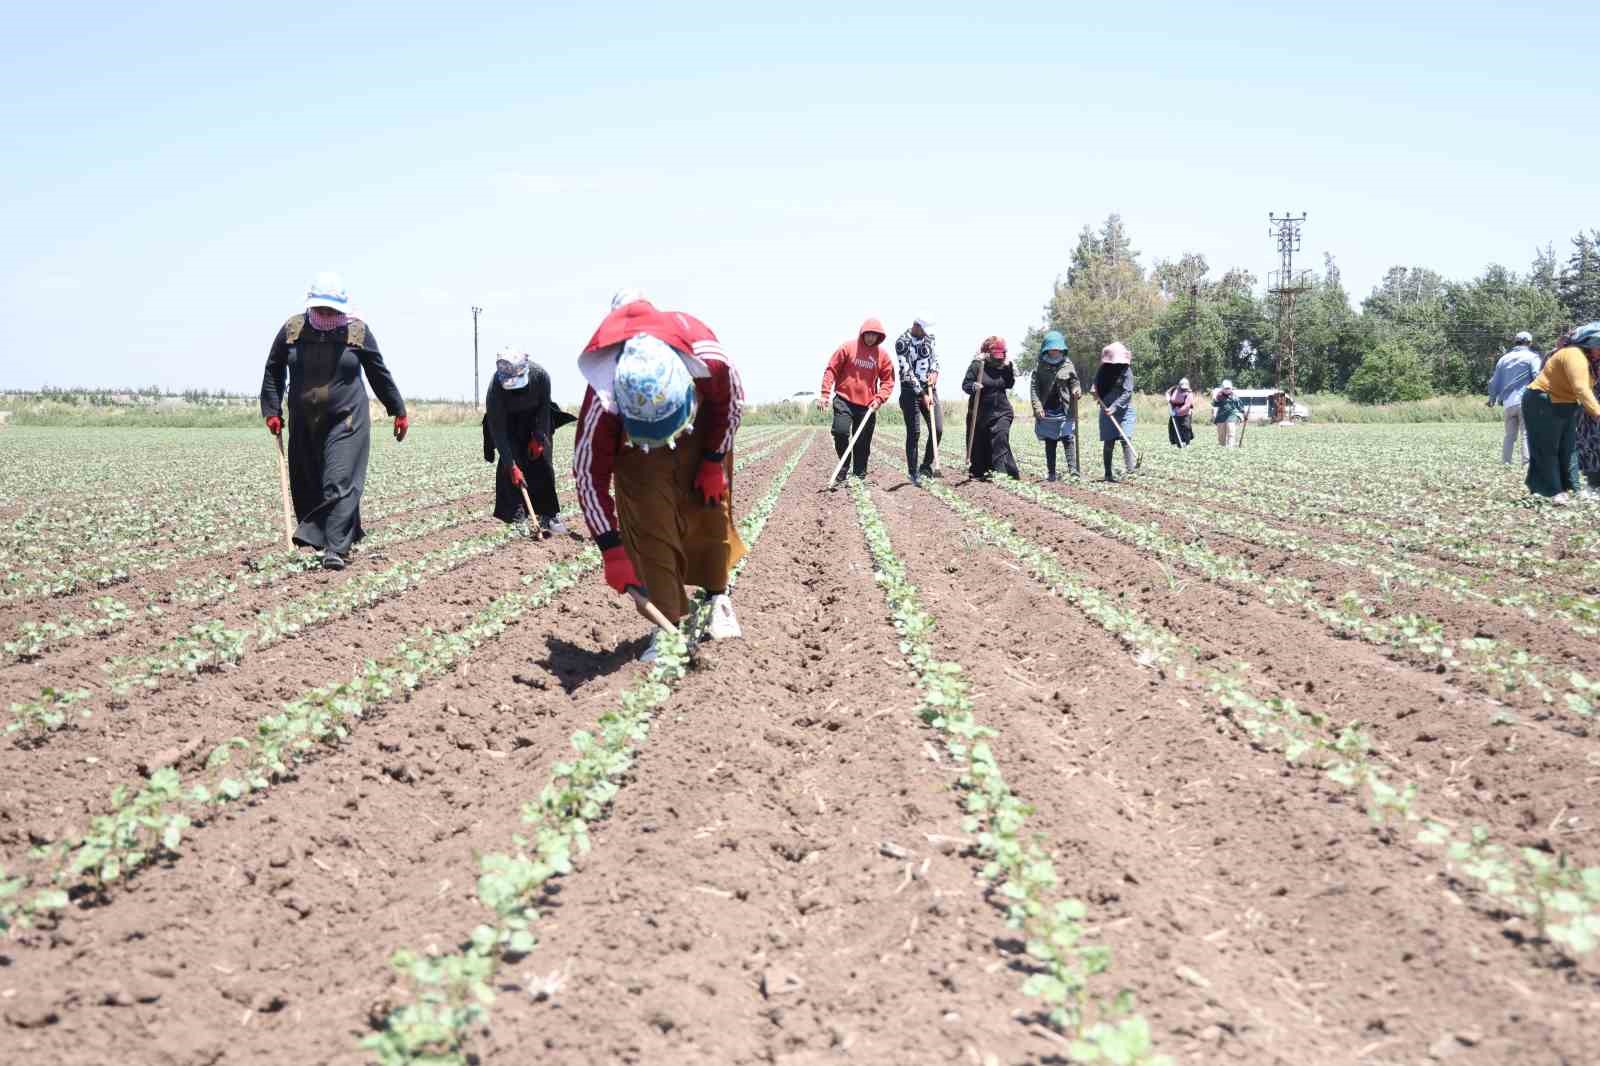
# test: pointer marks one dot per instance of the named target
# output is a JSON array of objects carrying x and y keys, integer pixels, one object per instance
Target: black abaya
[
  {"x": 329, "y": 428},
  {"x": 512, "y": 418}
]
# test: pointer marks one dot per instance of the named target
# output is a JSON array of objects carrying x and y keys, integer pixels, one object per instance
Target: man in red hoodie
[{"x": 857, "y": 381}]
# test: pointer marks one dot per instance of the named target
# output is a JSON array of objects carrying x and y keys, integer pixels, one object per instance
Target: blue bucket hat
[
  {"x": 654, "y": 392},
  {"x": 512, "y": 368},
  {"x": 1053, "y": 342},
  {"x": 1587, "y": 336}
]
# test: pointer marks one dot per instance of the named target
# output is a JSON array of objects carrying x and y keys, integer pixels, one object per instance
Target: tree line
[{"x": 1417, "y": 335}]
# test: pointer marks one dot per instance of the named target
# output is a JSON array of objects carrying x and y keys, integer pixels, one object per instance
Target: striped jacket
[{"x": 599, "y": 435}]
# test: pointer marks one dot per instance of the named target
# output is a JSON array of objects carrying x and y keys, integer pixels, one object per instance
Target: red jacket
[
  {"x": 861, "y": 374},
  {"x": 599, "y": 436}
]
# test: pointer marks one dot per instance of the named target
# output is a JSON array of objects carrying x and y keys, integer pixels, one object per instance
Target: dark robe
[
  {"x": 512, "y": 418},
  {"x": 991, "y": 439},
  {"x": 328, "y": 424}
]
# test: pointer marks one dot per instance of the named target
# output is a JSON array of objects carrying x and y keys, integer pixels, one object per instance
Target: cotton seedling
[{"x": 49, "y": 712}]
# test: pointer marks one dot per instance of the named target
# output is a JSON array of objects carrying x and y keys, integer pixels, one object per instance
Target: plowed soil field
[{"x": 1284, "y": 755}]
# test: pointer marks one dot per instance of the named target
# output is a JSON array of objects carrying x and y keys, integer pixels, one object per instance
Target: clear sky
[{"x": 175, "y": 174}]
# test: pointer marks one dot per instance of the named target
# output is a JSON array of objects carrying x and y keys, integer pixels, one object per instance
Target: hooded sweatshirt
[{"x": 861, "y": 373}]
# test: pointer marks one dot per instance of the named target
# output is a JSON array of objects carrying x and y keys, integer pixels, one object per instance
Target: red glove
[
  {"x": 274, "y": 425},
  {"x": 535, "y": 448},
  {"x": 401, "y": 424},
  {"x": 712, "y": 480},
  {"x": 516, "y": 475},
  {"x": 619, "y": 569}
]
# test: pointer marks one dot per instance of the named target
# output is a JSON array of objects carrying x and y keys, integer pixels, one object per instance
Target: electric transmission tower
[{"x": 1286, "y": 283}]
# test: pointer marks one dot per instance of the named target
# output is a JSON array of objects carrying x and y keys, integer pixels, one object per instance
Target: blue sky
[{"x": 176, "y": 174}]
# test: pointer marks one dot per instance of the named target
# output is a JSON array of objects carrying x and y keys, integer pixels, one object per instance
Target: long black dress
[
  {"x": 512, "y": 418},
  {"x": 991, "y": 441},
  {"x": 329, "y": 427}
]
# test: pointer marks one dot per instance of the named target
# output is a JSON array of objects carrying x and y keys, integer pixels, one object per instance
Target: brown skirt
[{"x": 673, "y": 538}]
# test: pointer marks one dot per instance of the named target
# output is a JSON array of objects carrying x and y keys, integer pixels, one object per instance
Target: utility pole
[
  {"x": 477, "y": 394},
  {"x": 1190, "y": 321},
  {"x": 1286, "y": 284}
]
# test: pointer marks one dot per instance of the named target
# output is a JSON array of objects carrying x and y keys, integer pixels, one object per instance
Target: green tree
[
  {"x": 1391, "y": 372},
  {"x": 1578, "y": 287}
]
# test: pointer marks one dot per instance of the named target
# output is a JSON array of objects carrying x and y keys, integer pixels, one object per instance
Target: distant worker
[
  {"x": 1227, "y": 411},
  {"x": 856, "y": 382},
  {"x": 1550, "y": 406},
  {"x": 1113, "y": 387},
  {"x": 1588, "y": 438},
  {"x": 323, "y": 353},
  {"x": 659, "y": 419},
  {"x": 1055, "y": 391},
  {"x": 989, "y": 412},
  {"x": 1513, "y": 373},
  {"x": 1180, "y": 414},
  {"x": 919, "y": 399},
  {"x": 519, "y": 424}
]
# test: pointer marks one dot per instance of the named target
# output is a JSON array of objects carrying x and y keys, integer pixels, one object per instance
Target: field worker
[
  {"x": 989, "y": 410},
  {"x": 857, "y": 381},
  {"x": 659, "y": 418},
  {"x": 519, "y": 423},
  {"x": 1588, "y": 439},
  {"x": 1512, "y": 374},
  {"x": 323, "y": 353},
  {"x": 1055, "y": 391},
  {"x": 919, "y": 376},
  {"x": 1180, "y": 414},
  {"x": 1550, "y": 407},
  {"x": 1113, "y": 385},
  {"x": 1227, "y": 411}
]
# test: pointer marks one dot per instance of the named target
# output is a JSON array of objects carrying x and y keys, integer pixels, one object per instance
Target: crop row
[
  {"x": 147, "y": 820},
  {"x": 1559, "y": 896},
  {"x": 451, "y": 992},
  {"x": 34, "y": 639},
  {"x": 1016, "y": 865},
  {"x": 1408, "y": 634}
]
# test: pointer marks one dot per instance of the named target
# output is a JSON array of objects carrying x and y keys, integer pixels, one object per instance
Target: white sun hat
[{"x": 328, "y": 291}]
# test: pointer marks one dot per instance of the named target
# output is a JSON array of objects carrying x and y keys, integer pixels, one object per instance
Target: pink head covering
[{"x": 1116, "y": 352}]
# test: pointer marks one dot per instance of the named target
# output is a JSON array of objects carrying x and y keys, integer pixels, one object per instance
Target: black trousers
[
  {"x": 1180, "y": 430},
  {"x": 991, "y": 446},
  {"x": 846, "y": 417},
  {"x": 540, "y": 477},
  {"x": 911, "y": 409}
]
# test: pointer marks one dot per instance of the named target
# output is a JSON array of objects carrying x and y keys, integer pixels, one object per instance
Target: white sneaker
[
  {"x": 1563, "y": 499},
  {"x": 653, "y": 651},
  {"x": 724, "y": 623},
  {"x": 554, "y": 526}
]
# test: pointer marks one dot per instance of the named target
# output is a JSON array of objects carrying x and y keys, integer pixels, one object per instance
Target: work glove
[
  {"x": 401, "y": 424},
  {"x": 516, "y": 476},
  {"x": 620, "y": 574},
  {"x": 535, "y": 448},
  {"x": 274, "y": 425},
  {"x": 712, "y": 480}
]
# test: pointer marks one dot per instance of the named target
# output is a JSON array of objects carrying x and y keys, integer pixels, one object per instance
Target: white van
[{"x": 1269, "y": 405}]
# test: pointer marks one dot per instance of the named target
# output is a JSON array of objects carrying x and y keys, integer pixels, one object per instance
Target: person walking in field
[
  {"x": 1055, "y": 391},
  {"x": 856, "y": 382},
  {"x": 322, "y": 354},
  {"x": 1513, "y": 373},
  {"x": 1227, "y": 411},
  {"x": 1550, "y": 406},
  {"x": 1180, "y": 414},
  {"x": 519, "y": 424},
  {"x": 989, "y": 411},
  {"x": 658, "y": 422},
  {"x": 919, "y": 377},
  {"x": 1113, "y": 386}
]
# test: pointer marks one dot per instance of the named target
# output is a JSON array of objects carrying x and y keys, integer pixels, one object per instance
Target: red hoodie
[{"x": 862, "y": 374}]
